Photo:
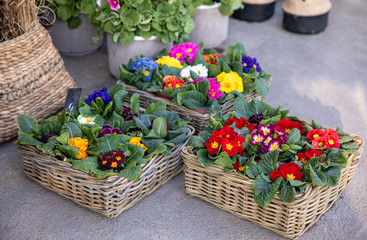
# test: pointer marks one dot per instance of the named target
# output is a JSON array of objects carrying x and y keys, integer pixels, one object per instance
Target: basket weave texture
[
  {"x": 234, "y": 193},
  {"x": 198, "y": 120},
  {"x": 109, "y": 196},
  {"x": 33, "y": 79}
]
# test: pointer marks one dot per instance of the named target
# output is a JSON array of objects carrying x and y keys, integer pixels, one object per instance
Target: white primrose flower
[
  {"x": 199, "y": 69},
  {"x": 86, "y": 120},
  {"x": 98, "y": 3}
]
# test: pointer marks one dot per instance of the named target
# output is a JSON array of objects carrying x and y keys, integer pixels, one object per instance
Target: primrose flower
[
  {"x": 86, "y": 120},
  {"x": 98, "y": 3},
  {"x": 128, "y": 115},
  {"x": 248, "y": 63},
  {"x": 273, "y": 145},
  {"x": 288, "y": 125},
  {"x": 107, "y": 129},
  {"x": 181, "y": 51},
  {"x": 287, "y": 170},
  {"x": 82, "y": 146},
  {"x": 212, "y": 58},
  {"x": 268, "y": 140},
  {"x": 169, "y": 61},
  {"x": 238, "y": 167},
  {"x": 148, "y": 64},
  {"x": 136, "y": 141},
  {"x": 199, "y": 69},
  {"x": 257, "y": 138},
  {"x": 265, "y": 130},
  {"x": 214, "y": 88},
  {"x": 173, "y": 81},
  {"x": 103, "y": 94},
  {"x": 115, "y": 4},
  {"x": 256, "y": 118},
  {"x": 46, "y": 137},
  {"x": 230, "y": 81},
  {"x": 112, "y": 160}
]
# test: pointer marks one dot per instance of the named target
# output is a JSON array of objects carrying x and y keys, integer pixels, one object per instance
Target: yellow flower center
[
  {"x": 189, "y": 50},
  {"x": 177, "y": 85},
  {"x": 118, "y": 158},
  {"x": 254, "y": 66},
  {"x": 146, "y": 73},
  {"x": 227, "y": 136},
  {"x": 258, "y": 139},
  {"x": 316, "y": 135},
  {"x": 267, "y": 141},
  {"x": 104, "y": 162},
  {"x": 114, "y": 2},
  {"x": 136, "y": 72},
  {"x": 265, "y": 131},
  {"x": 178, "y": 55},
  {"x": 199, "y": 72},
  {"x": 114, "y": 164},
  {"x": 321, "y": 144},
  {"x": 229, "y": 146},
  {"x": 304, "y": 160},
  {"x": 215, "y": 145},
  {"x": 89, "y": 120},
  {"x": 274, "y": 146},
  {"x": 245, "y": 64},
  {"x": 287, "y": 130},
  {"x": 331, "y": 142},
  {"x": 241, "y": 168},
  {"x": 291, "y": 176}
]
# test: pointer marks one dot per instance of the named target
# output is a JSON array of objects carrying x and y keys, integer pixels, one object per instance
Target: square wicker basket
[
  {"x": 110, "y": 196},
  {"x": 198, "y": 120},
  {"x": 233, "y": 193}
]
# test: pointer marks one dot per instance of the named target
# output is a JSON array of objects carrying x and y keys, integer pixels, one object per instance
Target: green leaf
[
  {"x": 296, "y": 183},
  {"x": 130, "y": 17},
  {"x": 192, "y": 99},
  {"x": 25, "y": 139},
  {"x": 160, "y": 148},
  {"x": 294, "y": 136},
  {"x": 108, "y": 143},
  {"x": 318, "y": 177},
  {"x": 127, "y": 37},
  {"x": 64, "y": 138},
  {"x": 131, "y": 172},
  {"x": 28, "y": 125},
  {"x": 339, "y": 161},
  {"x": 102, "y": 173},
  {"x": 287, "y": 193},
  {"x": 224, "y": 160},
  {"x": 196, "y": 142},
  {"x": 178, "y": 139},
  {"x": 73, "y": 130},
  {"x": 204, "y": 159},
  {"x": 156, "y": 107},
  {"x": 69, "y": 151},
  {"x": 64, "y": 12},
  {"x": 134, "y": 103},
  {"x": 317, "y": 125},
  {"x": 269, "y": 162},
  {"x": 332, "y": 175},
  {"x": 74, "y": 22},
  {"x": 160, "y": 126},
  {"x": 203, "y": 87},
  {"x": 136, "y": 153},
  {"x": 86, "y": 164},
  {"x": 115, "y": 89},
  {"x": 264, "y": 191},
  {"x": 350, "y": 145},
  {"x": 261, "y": 87}
]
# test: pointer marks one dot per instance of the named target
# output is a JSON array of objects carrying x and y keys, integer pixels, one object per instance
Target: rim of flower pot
[
  {"x": 138, "y": 38},
  {"x": 216, "y": 5}
]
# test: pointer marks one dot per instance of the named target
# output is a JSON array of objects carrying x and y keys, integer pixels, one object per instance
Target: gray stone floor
[{"x": 320, "y": 77}]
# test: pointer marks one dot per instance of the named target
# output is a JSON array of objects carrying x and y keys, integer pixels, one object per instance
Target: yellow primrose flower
[
  {"x": 169, "y": 61},
  {"x": 136, "y": 141},
  {"x": 82, "y": 146},
  {"x": 230, "y": 81}
]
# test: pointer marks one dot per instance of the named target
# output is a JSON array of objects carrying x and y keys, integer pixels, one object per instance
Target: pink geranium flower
[{"x": 115, "y": 4}]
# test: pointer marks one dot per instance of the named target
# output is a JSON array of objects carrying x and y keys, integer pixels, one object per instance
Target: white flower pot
[
  {"x": 211, "y": 26},
  {"x": 118, "y": 53},
  {"x": 74, "y": 42}
]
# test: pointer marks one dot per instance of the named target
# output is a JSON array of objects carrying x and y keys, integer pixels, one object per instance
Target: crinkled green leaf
[
  {"x": 27, "y": 125},
  {"x": 264, "y": 191},
  {"x": 131, "y": 172}
]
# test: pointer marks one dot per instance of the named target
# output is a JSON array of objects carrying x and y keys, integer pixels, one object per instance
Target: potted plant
[
  {"x": 273, "y": 169},
  {"x": 306, "y": 16},
  {"x": 71, "y": 30},
  {"x": 107, "y": 150},
  {"x": 255, "y": 10},
  {"x": 195, "y": 84},
  {"x": 141, "y": 27},
  {"x": 211, "y": 21}
]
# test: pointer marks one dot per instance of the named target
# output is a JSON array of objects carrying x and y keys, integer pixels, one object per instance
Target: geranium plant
[
  {"x": 69, "y": 10},
  {"x": 196, "y": 80},
  {"x": 104, "y": 136},
  {"x": 280, "y": 152},
  {"x": 167, "y": 20},
  {"x": 227, "y": 7}
]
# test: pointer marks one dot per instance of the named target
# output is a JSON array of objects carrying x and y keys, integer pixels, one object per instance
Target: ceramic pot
[
  {"x": 308, "y": 17},
  {"x": 118, "y": 53},
  {"x": 211, "y": 26},
  {"x": 255, "y": 10},
  {"x": 74, "y": 42}
]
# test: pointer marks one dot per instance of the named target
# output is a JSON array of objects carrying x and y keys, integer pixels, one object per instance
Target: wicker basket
[
  {"x": 33, "y": 79},
  {"x": 234, "y": 193},
  {"x": 198, "y": 120},
  {"x": 110, "y": 196}
]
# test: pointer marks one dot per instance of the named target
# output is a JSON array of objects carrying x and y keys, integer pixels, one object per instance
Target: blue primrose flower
[
  {"x": 248, "y": 63},
  {"x": 103, "y": 94},
  {"x": 149, "y": 65}
]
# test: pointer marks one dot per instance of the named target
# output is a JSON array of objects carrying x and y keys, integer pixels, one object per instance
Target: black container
[
  {"x": 305, "y": 25},
  {"x": 255, "y": 12}
]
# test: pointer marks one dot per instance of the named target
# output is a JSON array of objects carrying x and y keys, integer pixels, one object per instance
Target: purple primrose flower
[{"x": 103, "y": 94}]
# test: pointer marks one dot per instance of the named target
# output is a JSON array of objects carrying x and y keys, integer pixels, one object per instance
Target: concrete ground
[{"x": 320, "y": 77}]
